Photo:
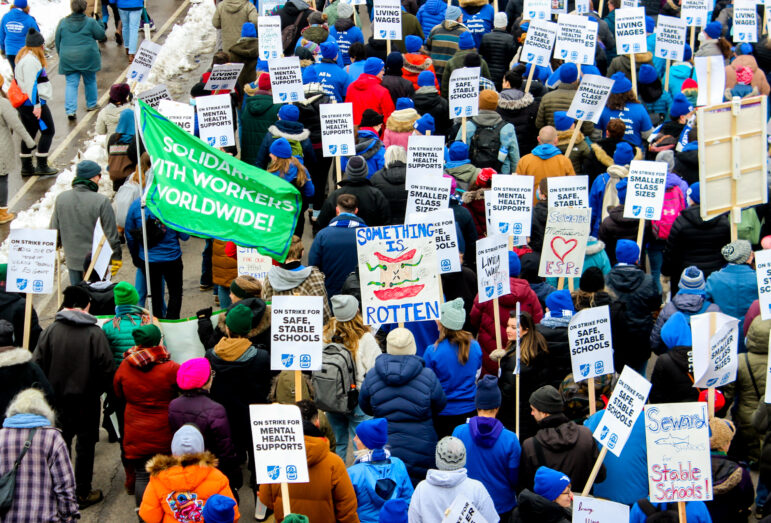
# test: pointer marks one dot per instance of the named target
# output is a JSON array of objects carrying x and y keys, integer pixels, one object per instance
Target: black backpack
[
  {"x": 655, "y": 515},
  {"x": 334, "y": 385},
  {"x": 485, "y": 145}
]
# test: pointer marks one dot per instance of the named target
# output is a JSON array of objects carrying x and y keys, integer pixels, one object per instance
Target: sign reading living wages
[
  {"x": 591, "y": 346},
  {"x": 153, "y": 97},
  {"x": 181, "y": 114},
  {"x": 223, "y": 76},
  {"x": 296, "y": 324},
  {"x": 387, "y": 20},
  {"x": 32, "y": 261},
  {"x": 279, "y": 446},
  {"x": 337, "y": 129},
  {"x": 493, "y": 267},
  {"x": 630, "y": 30},
  {"x": 589, "y": 49},
  {"x": 624, "y": 407}
]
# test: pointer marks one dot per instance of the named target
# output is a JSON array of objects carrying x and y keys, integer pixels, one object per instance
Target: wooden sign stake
[
  {"x": 592, "y": 397},
  {"x": 666, "y": 75},
  {"x": 681, "y": 512},
  {"x": 463, "y": 129},
  {"x": 529, "y": 78},
  {"x": 573, "y": 138},
  {"x": 595, "y": 471},
  {"x": 94, "y": 257},
  {"x": 633, "y": 63},
  {"x": 640, "y": 234},
  {"x": 27, "y": 319},
  {"x": 711, "y": 390},
  {"x": 285, "y": 498},
  {"x": 298, "y": 385}
]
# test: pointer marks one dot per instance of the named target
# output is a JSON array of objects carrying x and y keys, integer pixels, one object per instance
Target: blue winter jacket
[
  {"x": 508, "y": 138},
  {"x": 372, "y": 478},
  {"x": 733, "y": 288},
  {"x": 492, "y": 457},
  {"x": 478, "y": 20},
  {"x": 458, "y": 380},
  {"x": 345, "y": 39},
  {"x": 128, "y": 4},
  {"x": 679, "y": 72},
  {"x": 431, "y": 14},
  {"x": 333, "y": 251},
  {"x": 13, "y": 30},
  {"x": 332, "y": 77},
  {"x": 167, "y": 249},
  {"x": 371, "y": 148},
  {"x": 406, "y": 393},
  {"x": 329, "y": 39},
  {"x": 354, "y": 71},
  {"x": 695, "y": 512},
  {"x": 634, "y": 116},
  {"x": 306, "y": 189}
]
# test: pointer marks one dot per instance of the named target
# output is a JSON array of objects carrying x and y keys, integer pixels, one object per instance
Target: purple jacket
[
  {"x": 198, "y": 408},
  {"x": 673, "y": 179}
]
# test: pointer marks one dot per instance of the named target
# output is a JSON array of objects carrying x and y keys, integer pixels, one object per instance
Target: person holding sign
[
  {"x": 554, "y": 328},
  {"x": 285, "y": 165},
  {"x": 492, "y": 140},
  {"x": 290, "y": 128},
  {"x": 712, "y": 43},
  {"x": 391, "y": 181},
  {"x": 550, "y": 499},
  {"x": 245, "y": 51},
  {"x": 623, "y": 104},
  {"x": 672, "y": 377},
  {"x": 443, "y": 40},
  {"x": 565, "y": 126},
  {"x": 733, "y": 492},
  {"x": 560, "y": 99}
]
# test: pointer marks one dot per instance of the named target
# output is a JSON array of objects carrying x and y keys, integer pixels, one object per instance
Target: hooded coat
[
  {"x": 537, "y": 509},
  {"x": 559, "y": 100},
  {"x": 431, "y": 14},
  {"x": 750, "y": 385},
  {"x": 544, "y": 161},
  {"x": 230, "y": 16},
  {"x": 76, "y": 43},
  {"x": 616, "y": 227},
  {"x": 345, "y": 34},
  {"x": 294, "y": 11},
  {"x": 246, "y": 51},
  {"x": 672, "y": 377},
  {"x": 623, "y": 63},
  {"x": 12, "y": 310},
  {"x": 507, "y": 137},
  {"x": 17, "y": 373},
  {"x": 376, "y": 482},
  {"x": 259, "y": 335},
  {"x": 687, "y": 303},
  {"x": 497, "y": 47},
  {"x": 474, "y": 201},
  {"x": 367, "y": 92},
  {"x": 733, "y": 288},
  {"x": 257, "y": 116},
  {"x": 398, "y": 86},
  {"x": 297, "y": 136},
  {"x": 428, "y": 101},
  {"x": 438, "y": 491},
  {"x": 333, "y": 251},
  {"x": 414, "y": 64},
  {"x": 732, "y": 489},
  {"x": 399, "y": 127},
  {"x": 391, "y": 182},
  {"x": 300, "y": 281},
  {"x": 373, "y": 206},
  {"x": 520, "y": 109}
]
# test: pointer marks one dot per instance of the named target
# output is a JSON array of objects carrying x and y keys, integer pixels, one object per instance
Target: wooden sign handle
[
  {"x": 595, "y": 471},
  {"x": 640, "y": 233},
  {"x": 285, "y": 498},
  {"x": 681, "y": 512},
  {"x": 94, "y": 257},
  {"x": 298, "y": 385},
  {"x": 666, "y": 75},
  {"x": 573, "y": 139},
  {"x": 463, "y": 129},
  {"x": 633, "y": 64},
  {"x": 529, "y": 78},
  {"x": 592, "y": 397},
  {"x": 497, "y": 319},
  {"x": 27, "y": 320}
]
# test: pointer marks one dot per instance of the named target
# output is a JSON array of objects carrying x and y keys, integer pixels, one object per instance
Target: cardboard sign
[
  {"x": 630, "y": 30},
  {"x": 397, "y": 269},
  {"x": 645, "y": 190},
  {"x": 425, "y": 156},
  {"x": 745, "y": 21},
  {"x": 593, "y": 510},
  {"x": 591, "y": 97},
  {"x": 446, "y": 237},
  {"x": 215, "y": 120},
  {"x": 589, "y": 49},
  {"x": 464, "y": 92},
  {"x": 536, "y": 11},
  {"x": 670, "y": 38},
  {"x": 269, "y": 29},
  {"x": 337, "y": 129},
  {"x": 181, "y": 114},
  {"x": 143, "y": 61},
  {"x": 570, "y": 37},
  {"x": 568, "y": 191},
  {"x": 710, "y": 73},
  {"x": 564, "y": 242},
  {"x": 493, "y": 267},
  {"x": 677, "y": 441},
  {"x": 763, "y": 273},
  {"x": 463, "y": 511},
  {"x": 591, "y": 346},
  {"x": 252, "y": 263},
  {"x": 582, "y": 7},
  {"x": 223, "y": 77},
  {"x": 286, "y": 80},
  {"x": 32, "y": 261},
  {"x": 154, "y": 96},
  {"x": 695, "y": 12},
  {"x": 279, "y": 446},
  {"x": 102, "y": 264},
  {"x": 628, "y": 3},
  {"x": 296, "y": 325},
  {"x": 715, "y": 359},
  {"x": 539, "y": 43},
  {"x": 625, "y": 405},
  {"x": 387, "y": 20},
  {"x": 426, "y": 193},
  {"x": 511, "y": 205}
]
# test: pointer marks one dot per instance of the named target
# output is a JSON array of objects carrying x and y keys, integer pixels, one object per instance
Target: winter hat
[
  {"x": 295, "y": 518},
  {"x": 394, "y": 63},
  {"x": 329, "y": 49},
  {"x": 412, "y": 44},
  {"x": 119, "y": 93},
  {"x": 621, "y": 190},
  {"x": 590, "y": 69},
  {"x": 744, "y": 75},
  {"x": 541, "y": 73},
  {"x": 345, "y": 12},
  {"x": 34, "y": 38},
  {"x": 515, "y": 266},
  {"x": 624, "y": 154},
  {"x": 394, "y": 511},
  {"x": 562, "y": 121},
  {"x": 246, "y": 286},
  {"x": 452, "y": 314},
  {"x": 248, "y": 30},
  {"x": 311, "y": 46},
  {"x": 676, "y": 332},
  {"x": 426, "y": 79},
  {"x": 694, "y": 193},
  {"x": 6, "y": 333},
  {"x": 568, "y": 73},
  {"x": 547, "y": 399},
  {"x": 485, "y": 175},
  {"x": 737, "y": 252},
  {"x": 239, "y": 320},
  {"x": 425, "y": 124},
  {"x": 356, "y": 168},
  {"x": 88, "y": 169},
  {"x": 680, "y": 106},
  {"x": 147, "y": 335},
  {"x": 344, "y": 306},
  {"x": 592, "y": 280},
  {"x": 721, "y": 432},
  {"x": 466, "y": 41},
  {"x": 714, "y": 29},
  {"x": 765, "y": 243},
  {"x": 719, "y": 400},
  {"x": 401, "y": 342},
  {"x": 687, "y": 53},
  {"x": 458, "y": 151},
  {"x": 371, "y": 118},
  {"x": 689, "y": 83},
  {"x": 453, "y": 186},
  {"x": 745, "y": 48},
  {"x": 373, "y": 65},
  {"x": 488, "y": 100},
  {"x": 692, "y": 279},
  {"x": 627, "y": 251},
  {"x": 289, "y": 113},
  {"x": 219, "y": 509},
  {"x": 450, "y": 454},
  {"x": 281, "y": 148},
  {"x": 373, "y": 433},
  {"x": 488, "y": 394},
  {"x": 647, "y": 74},
  {"x": 263, "y": 82},
  {"x": 125, "y": 294},
  {"x": 187, "y": 440},
  {"x": 193, "y": 374},
  {"x": 550, "y": 483},
  {"x": 21, "y": 4},
  {"x": 621, "y": 83},
  {"x": 500, "y": 20},
  {"x": 650, "y": 24},
  {"x": 453, "y": 12},
  {"x": 559, "y": 301},
  {"x": 404, "y": 103}
]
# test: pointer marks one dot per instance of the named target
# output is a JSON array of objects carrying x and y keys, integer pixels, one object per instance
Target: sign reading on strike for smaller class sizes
[
  {"x": 591, "y": 97},
  {"x": 645, "y": 190}
]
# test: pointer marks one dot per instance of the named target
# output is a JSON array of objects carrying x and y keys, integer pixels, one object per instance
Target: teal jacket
[
  {"x": 75, "y": 39},
  {"x": 120, "y": 330}
]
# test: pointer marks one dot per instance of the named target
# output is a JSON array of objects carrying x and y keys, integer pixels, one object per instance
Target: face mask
[
  {"x": 702, "y": 37},
  {"x": 691, "y": 120}
]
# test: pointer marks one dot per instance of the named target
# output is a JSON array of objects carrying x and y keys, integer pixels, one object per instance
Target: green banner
[{"x": 206, "y": 192}]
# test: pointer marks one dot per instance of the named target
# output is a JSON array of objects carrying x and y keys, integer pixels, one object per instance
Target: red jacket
[
  {"x": 483, "y": 318},
  {"x": 367, "y": 93},
  {"x": 414, "y": 64}
]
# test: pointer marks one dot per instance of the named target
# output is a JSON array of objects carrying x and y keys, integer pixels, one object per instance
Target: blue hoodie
[
  {"x": 546, "y": 151},
  {"x": 492, "y": 457},
  {"x": 676, "y": 331},
  {"x": 332, "y": 77},
  {"x": 479, "y": 22},
  {"x": 695, "y": 512},
  {"x": 13, "y": 30},
  {"x": 291, "y": 175},
  {"x": 431, "y": 14},
  {"x": 458, "y": 380},
  {"x": 375, "y": 482},
  {"x": 346, "y": 38}
]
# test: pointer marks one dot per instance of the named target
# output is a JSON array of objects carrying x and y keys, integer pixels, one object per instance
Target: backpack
[
  {"x": 485, "y": 146},
  {"x": 335, "y": 384},
  {"x": 656, "y": 515},
  {"x": 289, "y": 35},
  {"x": 155, "y": 230},
  {"x": 674, "y": 203}
]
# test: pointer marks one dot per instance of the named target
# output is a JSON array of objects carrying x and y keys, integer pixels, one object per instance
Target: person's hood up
[
  {"x": 690, "y": 303},
  {"x": 681, "y": 70},
  {"x": 75, "y": 317},
  {"x": 395, "y": 174},
  {"x": 315, "y": 33},
  {"x": 446, "y": 478},
  {"x": 593, "y": 246},
  {"x": 680, "y": 358},
  {"x": 10, "y": 356},
  {"x": 485, "y": 431},
  {"x": 402, "y": 121},
  {"x": 293, "y": 7},
  {"x": 289, "y": 130},
  {"x": 564, "y": 137},
  {"x": 366, "y": 148},
  {"x": 676, "y": 331},
  {"x": 607, "y": 159},
  {"x": 417, "y": 63},
  {"x": 693, "y": 217},
  {"x": 398, "y": 370},
  {"x": 625, "y": 278},
  {"x": 617, "y": 215},
  {"x": 726, "y": 474},
  {"x": 364, "y": 83},
  {"x": 514, "y": 100},
  {"x": 260, "y": 316},
  {"x": 259, "y": 104},
  {"x": 757, "y": 336},
  {"x": 486, "y": 118},
  {"x": 343, "y": 24},
  {"x": 316, "y": 449},
  {"x": 246, "y": 47},
  {"x": 383, "y": 488},
  {"x": 545, "y": 151},
  {"x": 183, "y": 473},
  {"x": 435, "y": 7},
  {"x": 233, "y": 6},
  {"x": 557, "y": 433},
  {"x": 283, "y": 279},
  {"x": 533, "y": 507}
]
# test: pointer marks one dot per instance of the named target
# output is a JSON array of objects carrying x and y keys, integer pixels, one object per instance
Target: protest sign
[
  {"x": 745, "y": 21},
  {"x": 32, "y": 261},
  {"x": 625, "y": 405},
  {"x": 670, "y": 38},
  {"x": 387, "y": 20},
  {"x": 286, "y": 80},
  {"x": 715, "y": 341},
  {"x": 269, "y": 29},
  {"x": 589, "y": 49},
  {"x": 511, "y": 205},
  {"x": 591, "y": 346},
  {"x": 223, "y": 77},
  {"x": 695, "y": 12},
  {"x": 763, "y": 273},
  {"x": 464, "y": 92},
  {"x": 426, "y": 193},
  {"x": 558, "y": 7},
  {"x": 425, "y": 155},
  {"x": 768, "y": 383},
  {"x": 204, "y": 191},
  {"x": 445, "y": 237},
  {"x": 590, "y": 99},
  {"x": 564, "y": 242},
  {"x": 493, "y": 267},
  {"x": 398, "y": 273},
  {"x": 536, "y": 11},
  {"x": 296, "y": 324},
  {"x": 337, "y": 129},
  {"x": 252, "y": 263},
  {"x": 215, "y": 120},
  {"x": 645, "y": 190},
  {"x": 279, "y": 446},
  {"x": 181, "y": 114},
  {"x": 570, "y": 37},
  {"x": 630, "y": 30},
  {"x": 463, "y": 511},
  {"x": 568, "y": 191},
  {"x": 269, "y": 7},
  {"x": 582, "y": 7},
  {"x": 710, "y": 75},
  {"x": 593, "y": 510},
  {"x": 628, "y": 3},
  {"x": 143, "y": 61},
  {"x": 154, "y": 96},
  {"x": 100, "y": 245},
  {"x": 677, "y": 442},
  {"x": 539, "y": 43}
]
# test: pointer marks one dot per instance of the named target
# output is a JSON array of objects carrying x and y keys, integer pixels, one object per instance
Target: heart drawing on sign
[{"x": 562, "y": 247}]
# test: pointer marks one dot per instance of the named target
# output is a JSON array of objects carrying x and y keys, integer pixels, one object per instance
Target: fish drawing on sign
[{"x": 679, "y": 444}]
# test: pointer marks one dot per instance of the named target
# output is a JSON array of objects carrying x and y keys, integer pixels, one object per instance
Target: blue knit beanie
[
  {"x": 621, "y": 83},
  {"x": 458, "y": 151},
  {"x": 676, "y": 332},
  {"x": 621, "y": 190},
  {"x": 550, "y": 483},
  {"x": 425, "y": 123},
  {"x": 289, "y": 113},
  {"x": 373, "y": 433},
  {"x": 427, "y": 79},
  {"x": 627, "y": 251},
  {"x": 404, "y": 103},
  {"x": 281, "y": 148},
  {"x": 515, "y": 266},
  {"x": 562, "y": 121},
  {"x": 568, "y": 73},
  {"x": 328, "y": 50},
  {"x": 413, "y": 43},
  {"x": 694, "y": 194},
  {"x": 219, "y": 509},
  {"x": 624, "y": 154},
  {"x": 248, "y": 30},
  {"x": 647, "y": 74},
  {"x": 559, "y": 301},
  {"x": 680, "y": 106},
  {"x": 714, "y": 29},
  {"x": 488, "y": 394},
  {"x": 466, "y": 41},
  {"x": 373, "y": 65}
]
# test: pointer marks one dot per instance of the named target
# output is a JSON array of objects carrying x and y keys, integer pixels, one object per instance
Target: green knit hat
[
  {"x": 125, "y": 294},
  {"x": 147, "y": 336},
  {"x": 296, "y": 518},
  {"x": 239, "y": 320}
]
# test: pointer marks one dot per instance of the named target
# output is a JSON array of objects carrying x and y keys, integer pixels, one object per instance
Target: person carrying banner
[{"x": 549, "y": 500}]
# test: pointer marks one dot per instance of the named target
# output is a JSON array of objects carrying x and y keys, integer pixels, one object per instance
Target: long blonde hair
[
  {"x": 281, "y": 165},
  {"x": 347, "y": 333},
  {"x": 532, "y": 343},
  {"x": 37, "y": 51},
  {"x": 460, "y": 338}
]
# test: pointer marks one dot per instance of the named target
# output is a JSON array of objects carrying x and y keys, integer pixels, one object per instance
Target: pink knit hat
[
  {"x": 193, "y": 374},
  {"x": 744, "y": 75},
  {"x": 765, "y": 242}
]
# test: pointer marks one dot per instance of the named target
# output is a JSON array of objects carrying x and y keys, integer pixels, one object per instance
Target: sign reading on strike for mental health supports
[
  {"x": 677, "y": 443},
  {"x": 286, "y": 80},
  {"x": 624, "y": 407},
  {"x": 589, "y": 50},
  {"x": 252, "y": 263},
  {"x": 398, "y": 273},
  {"x": 464, "y": 92},
  {"x": 763, "y": 272},
  {"x": 745, "y": 23},
  {"x": 645, "y": 190},
  {"x": 153, "y": 97},
  {"x": 539, "y": 42},
  {"x": 593, "y": 510},
  {"x": 445, "y": 237},
  {"x": 511, "y": 205},
  {"x": 536, "y": 10},
  {"x": 223, "y": 77},
  {"x": 591, "y": 346},
  {"x": 564, "y": 242},
  {"x": 695, "y": 12},
  {"x": 670, "y": 38},
  {"x": 32, "y": 261},
  {"x": 568, "y": 191},
  {"x": 296, "y": 324},
  {"x": 337, "y": 129},
  {"x": 591, "y": 97},
  {"x": 715, "y": 359},
  {"x": 570, "y": 37},
  {"x": 582, "y": 7},
  {"x": 426, "y": 193},
  {"x": 493, "y": 267},
  {"x": 269, "y": 29},
  {"x": 387, "y": 20},
  {"x": 425, "y": 155},
  {"x": 215, "y": 120},
  {"x": 143, "y": 61},
  {"x": 181, "y": 114},
  {"x": 463, "y": 511},
  {"x": 630, "y": 30},
  {"x": 279, "y": 445}
]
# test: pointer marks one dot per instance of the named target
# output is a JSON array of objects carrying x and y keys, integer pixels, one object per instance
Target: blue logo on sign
[
  {"x": 468, "y": 110},
  {"x": 383, "y": 33},
  {"x": 599, "y": 367},
  {"x": 584, "y": 368},
  {"x": 293, "y": 96},
  {"x": 344, "y": 149},
  {"x": 689, "y": 20},
  {"x": 489, "y": 290},
  {"x": 530, "y": 56},
  {"x": 564, "y": 53},
  {"x": 21, "y": 283},
  {"x": 282, "y": 96},
  {"x": 613, "y": 441},
  {"x": 267, "y": 54},
  {"x": 287, "y": 360},
  {"x": 625, "y": 48},
  {"x": 458, "y": 111},
  {"x": 211, "y": 140},
  {"x": 604, "y": 432},
  {"x": 503, "y": 227},
  {"x": 711, "y": 382},
  {"x": 664, "y": 53},
  {"x": 636, "y": 210},
  {"x": 580, "y": 113},
  {"x": 649, "y": 213},
  {"x": 223, "y": 140},
  {"x": 445, "y": 265},
  {"x": 332, "y": 149},
  {"x": 37, "y": 286},
  {"x": 274, "y": 471},
  {"x": 517, "y": 229},
  {"x": 291, "y": 472},
  {"x": 305, "y": 361}
]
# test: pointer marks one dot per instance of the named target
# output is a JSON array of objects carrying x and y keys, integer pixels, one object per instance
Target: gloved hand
[
  {"x": 204, "y": 313},
  {"x": 115, "y": 267},
  {"x": 497, "y": 354}
]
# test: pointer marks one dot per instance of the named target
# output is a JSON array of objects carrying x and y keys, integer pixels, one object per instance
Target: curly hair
[{"x": 347, "y": 333}]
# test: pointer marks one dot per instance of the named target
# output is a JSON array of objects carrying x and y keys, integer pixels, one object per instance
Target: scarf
[
  {"x": 26, "y": 421},
  {"x": 88, "y": 184},
  {"x": 232, "y": 349},
  {"x": 121, "y": 310},
  {"x": 556, "y": 322},
  {"x": 347, "y": 224},
  {"x": 145, "y": 356}
]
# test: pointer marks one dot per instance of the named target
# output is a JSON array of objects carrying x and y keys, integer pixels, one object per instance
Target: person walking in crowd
[
  {"x": 549, "y": 500},
  {"x": 734, "y": 287},
  {"x": 14, "y": 27},
  {"x": 9, "y": 123},
  {"x": 391, "y": 181}
]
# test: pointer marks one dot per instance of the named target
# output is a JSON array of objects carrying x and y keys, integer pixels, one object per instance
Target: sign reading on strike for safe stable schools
[
  {"x": 591, "y": 346},
  {"x": 269, "y": 29},
  {"x": 625, "y": 405},
  {"x": 426, "y": 193},
  {"x": 745, "y": 23},
  {"x": 252, "y": 263},
  {"x": 296, "y": 324},
  {"x": 387, "y": 20},
  {"x": 153, "y": 97},
  {"x": 425, "y": 155},
  {"x": 493, "y": 267},
  {"x": 670, "y": 38},
  {"x": 568, "y": 191},
  {"x": 539, "y": 43},
  {"x": 570, "y": 37},
  {"x": 223, "y": 77},
  {"x": 181, "y": 114},
  {"x": 215, "y": 120},
  {"x": 591, "y": 97},
  {"x": 286, "y": 80},
  {"x": 143, "y": 61},
  {"x": 32, "y": 261},
  {"x": 593, "y": 510},
  {"x": 398, "y": 273},
  {"x": 464, "y": 92},
  {"x": 763, "y": 272},
  {"x": 564, "y": 242},
  {"x": 715, "y": 358},
  {"x": 695, "y": 12},
  {"x": 337, "y": 129},
  {"x": 279, "y": 446},
  {"x": 645, "y": 190},
  {"x": 446, "y": 237},
  {"x": 678, "y": 449},
  {"x": 630, "y": 30},
  {"x": 511, "y": 205}
]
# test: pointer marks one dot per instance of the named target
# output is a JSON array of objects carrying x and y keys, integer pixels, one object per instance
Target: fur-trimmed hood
[
  {"x": 417, "y": 63},
  {"x": 163, "y": 462},
  {"x": 593, "y": 246},
  {"x": 402, "y": 121},
  {"x": 607, "y": 160},
  {"x": 255, "y": 331},
  {"x": 514, "y": 100},
  {"x": 563, "y": 137},
  {"x": 473, "y": 3},
  {"x": 10, "y": 356},
  {"x": 477, "y": 194},
  {"x": 287, "y": 133}
]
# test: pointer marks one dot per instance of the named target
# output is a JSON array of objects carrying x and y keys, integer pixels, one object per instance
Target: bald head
[{"x": 547, "y": 134}]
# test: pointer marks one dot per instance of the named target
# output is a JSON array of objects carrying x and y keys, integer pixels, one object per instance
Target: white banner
[
  {"x": 32, "y": 261},
  {"x": 645, "y": 190},
  {"x": 591, "y": 97},
  {"x": 593, "y": 510},
  {"x": 591, "y": 345},
  {"x": 715, "y": 358},
  {"x": 269, "y": 30},
  {"x": 181, "y": 114},
  {"x": 670, "y": 38},
  {"x": 215, "y": 120},
  {"x": 763, "y": 272},
  {"x": 279, "y": 446},
  {"x": 445, "y": 237},
  {"x": 625, "y": 405},
  {"x": 511, "y": 205},
  {"x": 252, "y": 263},
  {"x": 564, "y": 242},
  {"x": 425, "y": 155},
  {"x": 286, "y": 80},
  {"x": 539, "y": 43},
  {"x": 296, "y": 324},
  {"x": 337, "y": 129},
  {"x": 630, "y": 30},
  {"x": 493, "y": 267},
  {"x": 387, "y": 20},
  {"x": 153, "y": 97},
  {"x": 426, "y": 193},
  {"x": 568, "y": 191},
  {"x": 143, "y": 61},
  {"x": 464, "y": 92},
  {"x": 223, "y": 77}
]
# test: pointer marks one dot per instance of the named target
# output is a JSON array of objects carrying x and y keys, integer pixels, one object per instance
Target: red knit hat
[
  {"x": 689, "y": 83},
  {"x": 263, "y": 83}
]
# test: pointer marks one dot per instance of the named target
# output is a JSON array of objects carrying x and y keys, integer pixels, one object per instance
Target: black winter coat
[
  {"x": 520, "y": 109},
  {"x": 533, "y": 508},
  {"x": 101, "y": 298},
  {"x": 559, "y": 353},
  {"x": 532, "y": 376},
  {"x": 498, "y": 48},
  {"x": 373, "y": 206},
  {"x": 390, "y": 181},
  {"x": 398, "y": 87},
  {"x": 19, "y": 372},
  {"x": 652, "y": 7},
  {"x": 615, "y": 227},
  {"x": 310, "y": 113},
  {"x": 538, "y": 225},
  {"x": 672, "y": 378},
  {"x": 428, "y": 100},
  {"x": 687, "y": 166},
  {"x": 465, "y": 222},
  {"x": 733, "y": 493},
  {"x": 376, "y": 49},
  {"x": 289, "y": 14},
  {"x": 462, "y": 285},
  {"x": 12, "y": 310},
  {"x": 762, "y": 53}
]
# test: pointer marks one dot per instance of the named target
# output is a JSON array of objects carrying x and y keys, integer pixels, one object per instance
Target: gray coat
[
  {"x": 9, "y": 122},
  {"x": 75, "y": 215}
]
